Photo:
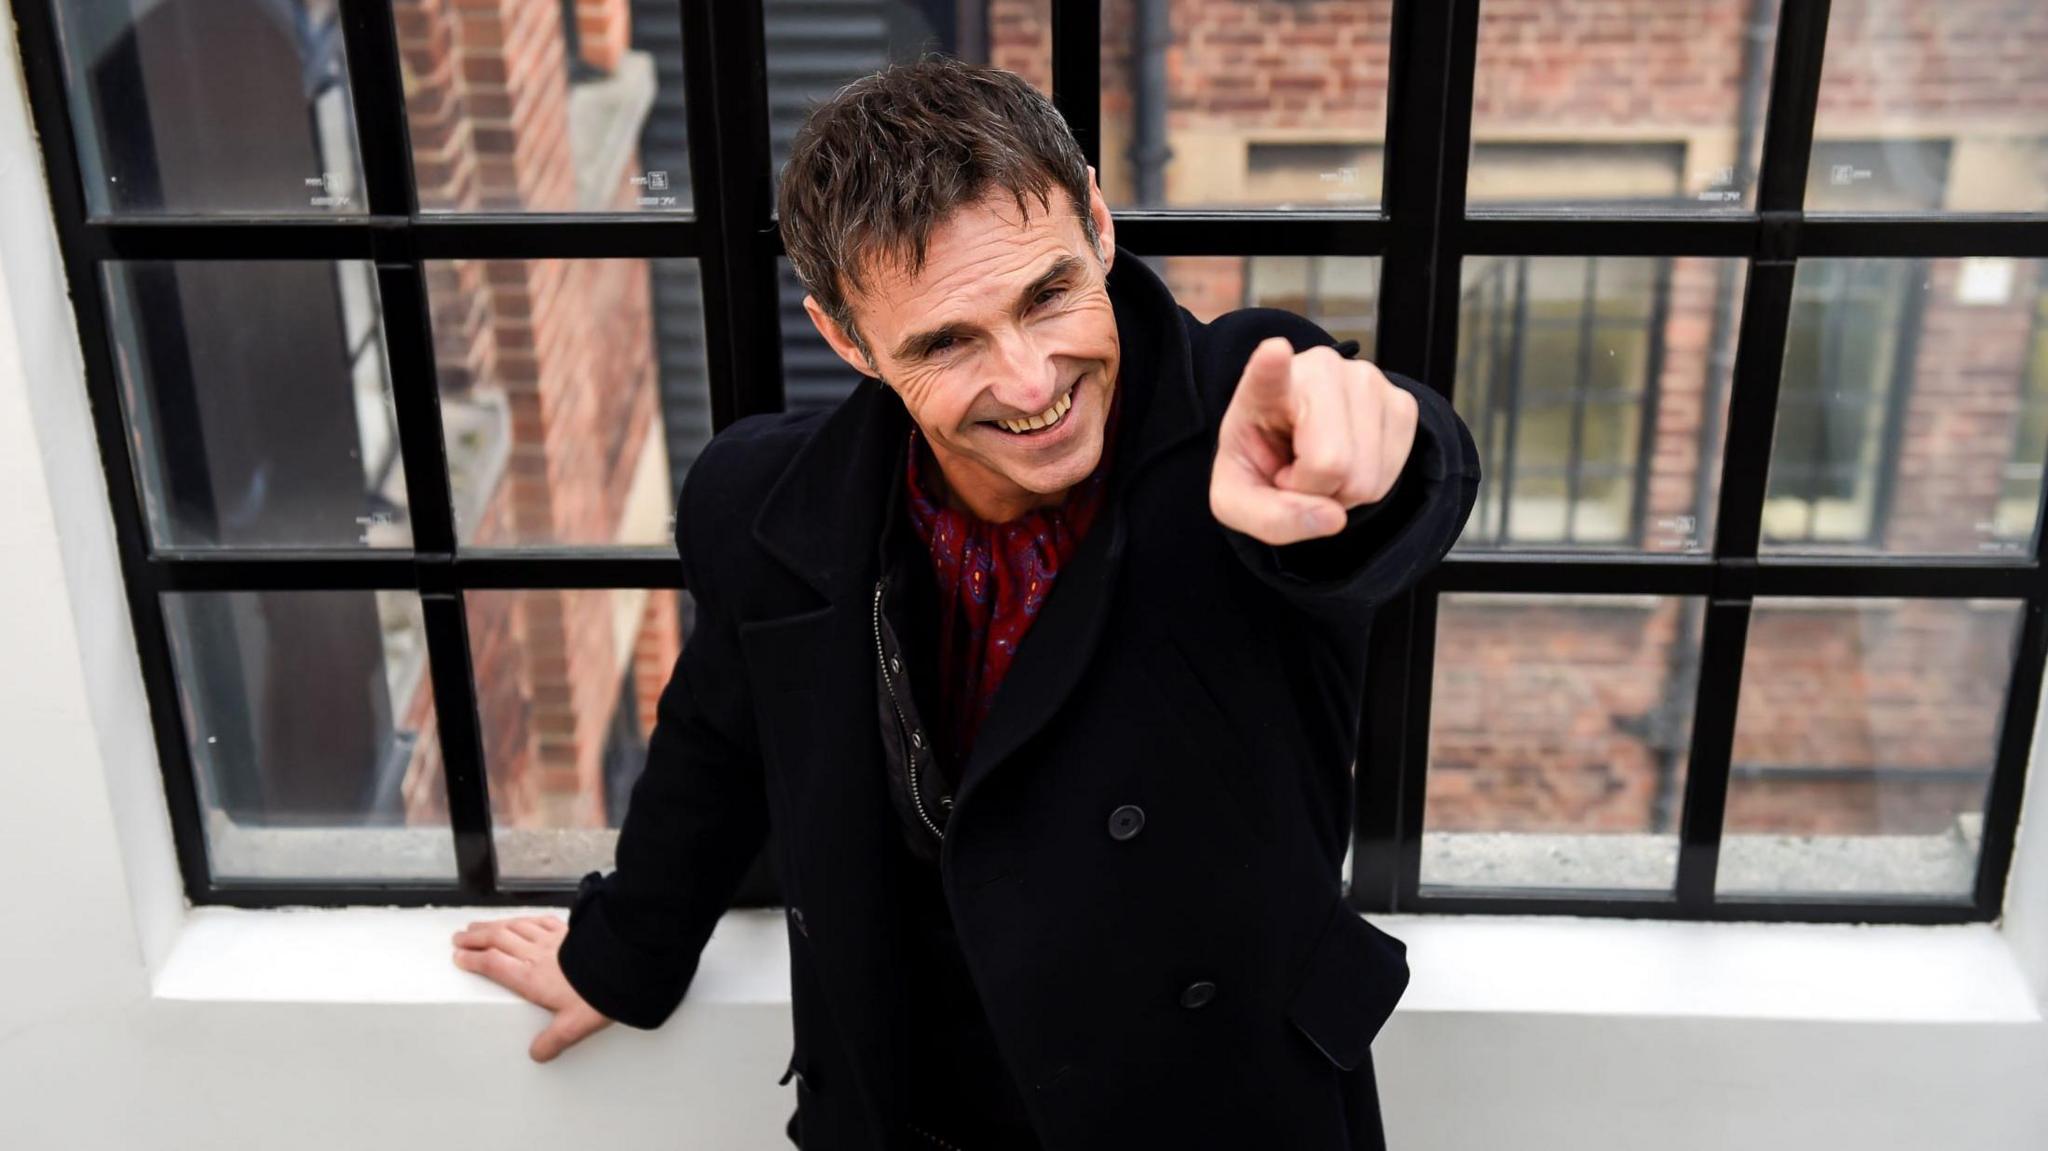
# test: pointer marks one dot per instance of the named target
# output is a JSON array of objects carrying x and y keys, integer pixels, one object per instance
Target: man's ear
[
  {"x": 1105, "y": 228},
  {"x": 840, "y": 340}
]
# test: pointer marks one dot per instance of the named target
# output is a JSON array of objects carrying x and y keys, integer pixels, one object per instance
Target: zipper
[{"x": 910, "y": 754}]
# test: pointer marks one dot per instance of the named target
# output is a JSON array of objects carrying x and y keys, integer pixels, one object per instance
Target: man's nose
[{"x": 1026, "y": 378}]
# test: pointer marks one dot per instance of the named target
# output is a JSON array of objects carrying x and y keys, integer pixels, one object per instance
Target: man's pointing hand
[{"x": 1307, "y": 436}]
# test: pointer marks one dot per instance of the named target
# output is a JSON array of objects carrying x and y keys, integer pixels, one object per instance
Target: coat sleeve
[
  {"x": 1386, "y": 545},
  {"x": 696, "y": 819}
]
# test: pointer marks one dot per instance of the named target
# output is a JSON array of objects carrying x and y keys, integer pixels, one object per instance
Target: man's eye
[
  {"x": 1049, "y": 295},
  {"x": 938, "y": 344}
]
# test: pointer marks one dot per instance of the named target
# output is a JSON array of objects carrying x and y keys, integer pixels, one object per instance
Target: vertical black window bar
[
  {"x": 379, "y": 89},
  {"x": 725, "y": 64},
  {"x": 1429, "y": 128},
  {"x": 1077, "y": 71},
  {"x": 1759, "y": 359}
]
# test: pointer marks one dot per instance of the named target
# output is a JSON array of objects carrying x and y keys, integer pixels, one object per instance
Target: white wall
[{"x": 129, "y": 1021}]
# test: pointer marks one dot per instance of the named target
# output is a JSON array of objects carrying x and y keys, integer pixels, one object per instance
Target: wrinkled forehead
[{"x": 980, "y": 255}]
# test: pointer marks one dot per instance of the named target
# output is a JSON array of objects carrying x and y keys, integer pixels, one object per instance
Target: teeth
[{"x": 1045, "y": 418}]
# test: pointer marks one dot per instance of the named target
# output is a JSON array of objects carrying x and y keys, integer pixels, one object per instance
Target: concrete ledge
[{"x": 1507, "y": 965}]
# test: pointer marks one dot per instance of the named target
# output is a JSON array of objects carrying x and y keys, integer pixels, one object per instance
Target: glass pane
[
  {"x": 1865, "y": 735},
  {"x": 573, "y": 397},
  {"x": 567, "y": 683},
  {"x": 546, "y": 105},
  {"x": 1239, "y": 104},
  {"x": 310, "y": 716},
  {"x": 2020, "y": 493},
  {"x": 1932, "y": 108},
  {"x": 211, "y": 106},
  {"x": 1597, "y": 391},
  {"x": 1642, "y": 103},
  {"x": 1341, "y": 293},
  {"x": 815, "y": 49},
  {"x": 1902, "y": 407},
  {"x": 1558, "y": 734},
  {"x": 258, "y": 403}
]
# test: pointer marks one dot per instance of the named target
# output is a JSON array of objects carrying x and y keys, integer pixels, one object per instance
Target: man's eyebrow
[{"x": 1061, "y": 268}]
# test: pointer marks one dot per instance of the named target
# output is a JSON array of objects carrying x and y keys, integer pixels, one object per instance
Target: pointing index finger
[{"x": 1264, "y": 385}]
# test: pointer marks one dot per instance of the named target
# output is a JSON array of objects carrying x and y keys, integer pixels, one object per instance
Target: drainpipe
[{"x": 1152, "y": 34}]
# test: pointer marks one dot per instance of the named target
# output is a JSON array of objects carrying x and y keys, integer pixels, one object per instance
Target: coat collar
[{"x": 823, "y": 515}]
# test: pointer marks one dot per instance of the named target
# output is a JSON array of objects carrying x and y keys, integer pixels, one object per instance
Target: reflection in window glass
[
  {"x": 1673, "y": 93},
  {"x": 1558, "y": 733},
  {"x": 1241, "y": 104},
  {"x": 814, "y": 50},
  {"x": 1900, "y": 411},
  {"x": 310, "y": 717},
  {"x": 1596, "y": 388},
  {"x": 1864, "y": 740},
  {"x": 258, "y": 403},
  {"x": 211, "y": 106},
  {"x": 545, "y": 106},
  {"x": 1932, "y": 107},
  {"x": 573, "y": 397},
  {"x": 567, "y": 684}
]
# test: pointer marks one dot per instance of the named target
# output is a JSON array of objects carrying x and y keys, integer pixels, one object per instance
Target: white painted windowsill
[{"x": 1460, "y": 964}]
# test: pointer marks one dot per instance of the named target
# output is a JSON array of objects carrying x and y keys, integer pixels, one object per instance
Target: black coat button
[
  {"x": 1125, "y": 821},
  {"x": 1198, "y": 994}
]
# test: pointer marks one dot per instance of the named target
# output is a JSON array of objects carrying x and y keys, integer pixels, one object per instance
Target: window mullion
[{"x": 1077, "y": 72}]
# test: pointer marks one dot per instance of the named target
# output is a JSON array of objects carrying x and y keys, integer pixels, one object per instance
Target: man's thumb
[{"x": 557, "y": 1038}]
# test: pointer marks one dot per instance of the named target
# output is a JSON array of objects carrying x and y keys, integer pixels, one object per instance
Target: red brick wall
[
  {"x": 1961, "y": 416},
  {"x": 1919, "y": 685},
  {"x": 1020, "y": 39},
  {"x": 1599, "y": 63},
  {"x": 1906, "y": 58},
  {"x": 1531, "y": 713}
]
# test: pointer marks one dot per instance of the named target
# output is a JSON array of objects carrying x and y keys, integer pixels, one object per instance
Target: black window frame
[{"x": 1421, "y": 232}]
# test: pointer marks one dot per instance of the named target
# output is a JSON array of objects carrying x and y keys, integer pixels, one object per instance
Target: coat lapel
[{"x": 823, "y": 516}]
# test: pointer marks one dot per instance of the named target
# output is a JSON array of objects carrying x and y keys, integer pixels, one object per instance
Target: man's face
[{"x": 1008, "y": 321}]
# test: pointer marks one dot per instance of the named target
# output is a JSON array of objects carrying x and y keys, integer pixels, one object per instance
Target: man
[{"x": 1042, "y": 655}]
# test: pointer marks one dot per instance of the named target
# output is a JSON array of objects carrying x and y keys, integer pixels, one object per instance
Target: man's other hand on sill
[{"x": 522, "y": 954}]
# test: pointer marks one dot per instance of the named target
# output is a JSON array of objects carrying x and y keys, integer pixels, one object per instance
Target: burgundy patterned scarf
[{"x": 992, "y": 577}]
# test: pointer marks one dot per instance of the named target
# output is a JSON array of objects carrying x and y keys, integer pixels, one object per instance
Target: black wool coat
[{"x": 1142, "y": 858}]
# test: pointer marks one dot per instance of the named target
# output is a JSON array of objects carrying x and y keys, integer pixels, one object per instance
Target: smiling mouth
[{"x": 1048, "y": 418}]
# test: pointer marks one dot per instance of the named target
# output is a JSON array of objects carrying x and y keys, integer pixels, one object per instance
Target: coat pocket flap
[{"x": 1354, "y": 975}]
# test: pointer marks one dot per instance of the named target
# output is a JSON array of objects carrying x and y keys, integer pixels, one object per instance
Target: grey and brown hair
[{"x": 880, "y": 164}]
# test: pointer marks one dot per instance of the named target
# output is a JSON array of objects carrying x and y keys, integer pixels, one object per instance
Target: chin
[{"x": 1066, "y": 473}]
